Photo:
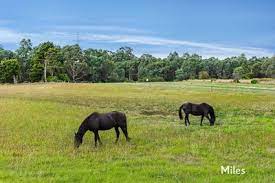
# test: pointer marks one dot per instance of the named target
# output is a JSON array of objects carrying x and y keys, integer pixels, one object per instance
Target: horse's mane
[
  {"x": 95, "y": 114},
  {"x": 90, "y": 116}
]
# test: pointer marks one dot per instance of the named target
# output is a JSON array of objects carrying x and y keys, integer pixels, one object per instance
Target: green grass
[{"x": 38, "y": 121}]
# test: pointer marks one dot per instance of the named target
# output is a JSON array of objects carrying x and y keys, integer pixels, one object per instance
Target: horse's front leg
[
  {"x": 117, "y": 133},
  {"x": 208, "y": 118},
  {"x": 202, "y": 119},
  {"x": 124, "y": 130}
]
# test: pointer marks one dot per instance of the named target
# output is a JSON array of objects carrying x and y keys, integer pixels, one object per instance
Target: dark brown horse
[
  {"x": 105, "y": 121},
  {"x": 202, "y": 110}
]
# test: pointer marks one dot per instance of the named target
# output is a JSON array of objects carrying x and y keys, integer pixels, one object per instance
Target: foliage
[
  {"x": 270, "y": 71},
  {"x": 203, "y": 75},
  {"x": 23, "y": 54},
  {"x": 42, "y": 57},
  {"x": 254, "y": 81},
  {"x": 238, "y": 73},
  {"x": 97, "y": 65},
  {"x": 9, "y": 70},
  {"x": 74, "y": 62}
]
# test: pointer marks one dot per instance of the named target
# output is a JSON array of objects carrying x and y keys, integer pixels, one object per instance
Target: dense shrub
[{"x": 254, "y": 81}]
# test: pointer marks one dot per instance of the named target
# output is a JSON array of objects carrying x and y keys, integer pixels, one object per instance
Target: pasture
[{"x": 38, "y": 121}]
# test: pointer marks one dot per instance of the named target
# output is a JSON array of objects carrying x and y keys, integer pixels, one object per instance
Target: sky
[{"x": 218, "y": 28}]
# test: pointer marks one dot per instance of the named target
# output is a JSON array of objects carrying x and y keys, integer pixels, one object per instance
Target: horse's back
[
  {"x": 195, "y": 109},
  {"x": 205, "y": 105},
  {"x": 118, "y": 115},
  {"x": 187, "y": 105},
  {"x": 114, "y": 114}
]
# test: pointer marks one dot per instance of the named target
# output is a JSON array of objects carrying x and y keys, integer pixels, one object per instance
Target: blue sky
[{"x": 210, "y": 28}]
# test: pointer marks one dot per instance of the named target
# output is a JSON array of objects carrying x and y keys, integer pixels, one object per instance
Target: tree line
[{"x": 49, "y": 62}]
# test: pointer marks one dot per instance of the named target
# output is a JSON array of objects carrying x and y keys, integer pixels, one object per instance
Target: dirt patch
[{"x": 271, "y": 150}]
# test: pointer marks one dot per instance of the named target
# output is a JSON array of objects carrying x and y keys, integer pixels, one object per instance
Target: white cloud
[
  {"x": 163, "y": 44},
  {"x": 9, "y": 36},
  {"x": 205, "y": 48},
  {"x": 107, "y": 28}
]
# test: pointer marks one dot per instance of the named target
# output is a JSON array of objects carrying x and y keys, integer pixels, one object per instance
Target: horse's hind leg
[
  {"x": 117, "y": 133},
  {"x": 124, "y": 130},
  {"x": 202, "y": 119},
  {"x": 185, "y": 120},
  {"x": 97, "y": 138}
]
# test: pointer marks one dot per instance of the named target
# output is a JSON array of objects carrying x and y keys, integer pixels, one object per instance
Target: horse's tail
[
  {"x": 212, "y": 114},
  {"x": 180, "y": 112},
  {"x": 124, "y": 119},
  {"x": 120, "y": 116}
]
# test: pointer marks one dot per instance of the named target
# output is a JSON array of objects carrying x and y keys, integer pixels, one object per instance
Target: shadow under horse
[
  {"x": 102, "y": 121},
  {"x": 202, "y": 110}
]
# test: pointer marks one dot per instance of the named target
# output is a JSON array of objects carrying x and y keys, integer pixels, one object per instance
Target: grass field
[{"x": 38, "y": 121}]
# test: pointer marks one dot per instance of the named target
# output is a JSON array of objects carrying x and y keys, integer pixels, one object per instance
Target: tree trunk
[
  {"x": 14, "y": 79},
  {"x": 45, "y": 71},
  {"x": 74, "y": 72}
]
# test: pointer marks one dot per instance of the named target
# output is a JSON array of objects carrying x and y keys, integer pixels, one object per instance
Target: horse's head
[
  {"x": 212, "y": 120},
  {"x": 77, "y": 140}
]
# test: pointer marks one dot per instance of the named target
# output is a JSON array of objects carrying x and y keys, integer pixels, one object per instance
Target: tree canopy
[{"x": 50, "y": 62}]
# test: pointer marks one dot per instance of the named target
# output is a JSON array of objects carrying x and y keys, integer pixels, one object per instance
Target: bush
[
  {"x": 9, "y": 69},
  {"x": 203, "y": 75},
  {"x": 63, "y": 77},
  {"x": 52, "y": 79},
  {"x": 254, "y": 81},
  {"x": 58, "y": 78}
]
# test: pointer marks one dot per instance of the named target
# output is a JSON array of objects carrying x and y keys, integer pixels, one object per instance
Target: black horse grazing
[
  {"x": 97, "y": 121},
  {"x": 202, "y": 110}
]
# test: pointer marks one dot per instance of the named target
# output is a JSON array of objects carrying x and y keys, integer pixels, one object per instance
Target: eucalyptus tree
[
  {"x": 74, "y": 62},
  {"x": 23, "y": 54}
]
